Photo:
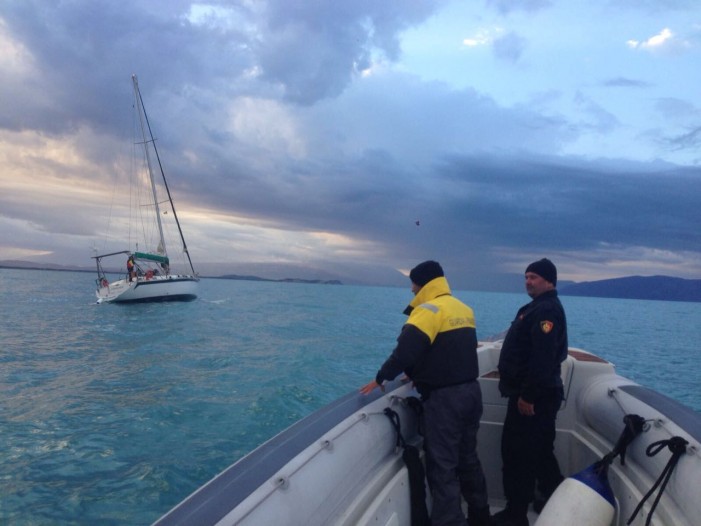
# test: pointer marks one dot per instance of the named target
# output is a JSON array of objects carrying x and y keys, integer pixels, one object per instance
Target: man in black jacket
[
  {"x": 530, "y": 376},
  {"x": 437, "y": 349}
]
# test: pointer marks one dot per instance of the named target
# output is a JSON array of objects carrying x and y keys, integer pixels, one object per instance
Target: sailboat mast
[
  {"x": 146, "y": 139},
  {"x": 143, "y": 119}
]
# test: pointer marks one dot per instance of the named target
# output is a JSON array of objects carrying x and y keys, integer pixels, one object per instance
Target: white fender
[{"x": 583, "y": 499}]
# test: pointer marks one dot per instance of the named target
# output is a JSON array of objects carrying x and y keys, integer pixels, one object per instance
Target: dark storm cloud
[
  {"x": 518, "y": 203},
  {"x": 553, "y": 205},
  {"x": 261, "y": 111},
  {"x": 314, "y": 48},
  {"x": 83, "y": 52},
  {"x": 379, "y": 149}
]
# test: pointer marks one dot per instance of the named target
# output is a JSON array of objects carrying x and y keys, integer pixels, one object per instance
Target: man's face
[
  {"x": 535, "y": 285},
  {"x": 415, "y": 288}
]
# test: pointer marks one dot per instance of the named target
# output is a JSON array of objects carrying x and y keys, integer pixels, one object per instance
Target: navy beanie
[
  {"x": 425, "y": 272},
  {"x": 545, "y": 269}
]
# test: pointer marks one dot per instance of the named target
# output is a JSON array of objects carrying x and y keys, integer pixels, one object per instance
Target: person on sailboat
[
  {"x": 530, "y": 377},
  {"x": 131, "y": 268},
  {"x": 437, "y": 349}
]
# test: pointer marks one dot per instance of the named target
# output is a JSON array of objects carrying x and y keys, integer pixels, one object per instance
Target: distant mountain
[
  {"x": 634, "y": 287},
  {"x": 639, "y": 288},
  {"x": 31, "y": 265},
  {"x": 282, "y": 280}
]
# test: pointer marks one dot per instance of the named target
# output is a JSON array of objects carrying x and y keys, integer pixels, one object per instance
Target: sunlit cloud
[
  {"x": 374, "y": 66},
  {"x": 236, "y": 238},
  {"x": 214, "y": 16},
  {"x": 57, "y": 165},
  {"x": 15, "y": 59},
  {"x": 654, "y": 41},
  {"x": 266, "y": 124},
  {"x": 343, "y": 246},
  {"x": 483, "y": 37},
  {"x": 18, "y": 253},
  {"x": 665, "y": 40}
]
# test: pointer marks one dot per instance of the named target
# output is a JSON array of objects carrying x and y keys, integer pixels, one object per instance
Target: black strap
[
  {"x": 677, "y": 445},
  {"x": 394, "y": 419},
  {"x": 417, "y": 406},
  {"x": 633, "y": 427},
  {"x": 415, "y": 468}
]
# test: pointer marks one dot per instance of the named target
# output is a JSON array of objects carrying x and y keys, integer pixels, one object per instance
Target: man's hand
[
  {"x": 370, "y": 387},
  {"x": 525, "y": 408}
]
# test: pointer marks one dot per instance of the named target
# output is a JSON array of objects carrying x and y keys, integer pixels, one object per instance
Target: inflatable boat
[{"x": 631, "y": 456}]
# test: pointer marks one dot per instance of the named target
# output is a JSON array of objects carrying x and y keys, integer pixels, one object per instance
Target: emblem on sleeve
[{"x": 546, "y": 326}]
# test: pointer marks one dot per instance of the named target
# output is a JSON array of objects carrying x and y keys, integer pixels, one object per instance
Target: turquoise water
[{"x": 112, "y": 414}]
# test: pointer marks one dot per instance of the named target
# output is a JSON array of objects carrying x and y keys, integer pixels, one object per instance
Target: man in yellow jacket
[{"x": 437, "y": 349}]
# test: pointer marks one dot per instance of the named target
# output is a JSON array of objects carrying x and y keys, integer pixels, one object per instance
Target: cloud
[
  {"x": 666, "y": 41},
  {"x": 314, "y": 50},
  {"x": 15, "y": 59},
  {"x": 289, "y": 135},
  {"x": 483, "y": 37},
  {"x": 656, "y": 41},
  {"x": 689, "y": 140},
  {"x": 508, "y": 6},
  {"x": 509, "y": 47},
  {"x": 687, "y": 116},
  {"x": 656, "y": 6},
  {"x": 623, "y": 82},
  {"x": 596, "y": 116}
]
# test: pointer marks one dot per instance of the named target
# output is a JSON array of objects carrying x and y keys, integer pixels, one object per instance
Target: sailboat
[{"x": 149, "y": 273}]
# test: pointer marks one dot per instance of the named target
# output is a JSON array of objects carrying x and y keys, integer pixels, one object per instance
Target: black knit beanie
[
  {"x": 545, "y": 269},
  {"x": 425, "y": 272}
]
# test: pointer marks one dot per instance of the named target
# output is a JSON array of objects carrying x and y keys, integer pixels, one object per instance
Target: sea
[{"x": 112, "y": 414}]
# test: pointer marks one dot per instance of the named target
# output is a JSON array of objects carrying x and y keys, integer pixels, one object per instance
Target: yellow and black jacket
[{"x": 438, "y": 344}]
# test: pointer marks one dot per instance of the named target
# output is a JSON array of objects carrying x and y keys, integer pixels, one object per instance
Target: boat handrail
[{"x": 684, "y": 417}]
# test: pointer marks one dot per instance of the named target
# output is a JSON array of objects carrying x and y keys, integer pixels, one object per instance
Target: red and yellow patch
[{"x": 546, "y": 326}]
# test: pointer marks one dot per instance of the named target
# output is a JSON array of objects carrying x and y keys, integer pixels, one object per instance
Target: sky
[{"x": 355, "y": 139}]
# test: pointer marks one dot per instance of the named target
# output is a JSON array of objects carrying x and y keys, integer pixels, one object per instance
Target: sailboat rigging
[{"x": 149, "y": 276}]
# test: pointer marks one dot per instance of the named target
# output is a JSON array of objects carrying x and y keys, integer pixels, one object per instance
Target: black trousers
[
  {"x": 527, "y": 451},
  {"x": 451, "y": 417}
]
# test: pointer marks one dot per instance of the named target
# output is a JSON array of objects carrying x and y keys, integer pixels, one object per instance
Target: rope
[{"x": 677, "y": 445}]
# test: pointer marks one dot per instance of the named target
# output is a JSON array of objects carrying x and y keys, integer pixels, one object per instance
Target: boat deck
[{"x": 496, "y": 505}]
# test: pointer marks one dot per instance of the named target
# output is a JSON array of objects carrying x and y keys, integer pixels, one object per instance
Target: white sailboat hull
[
  {"x": 340, "y": 465},
  {"x": 155, "y": 289}
]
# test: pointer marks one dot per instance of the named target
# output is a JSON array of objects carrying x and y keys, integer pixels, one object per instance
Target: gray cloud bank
[{"x": 265, "y": 110}]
